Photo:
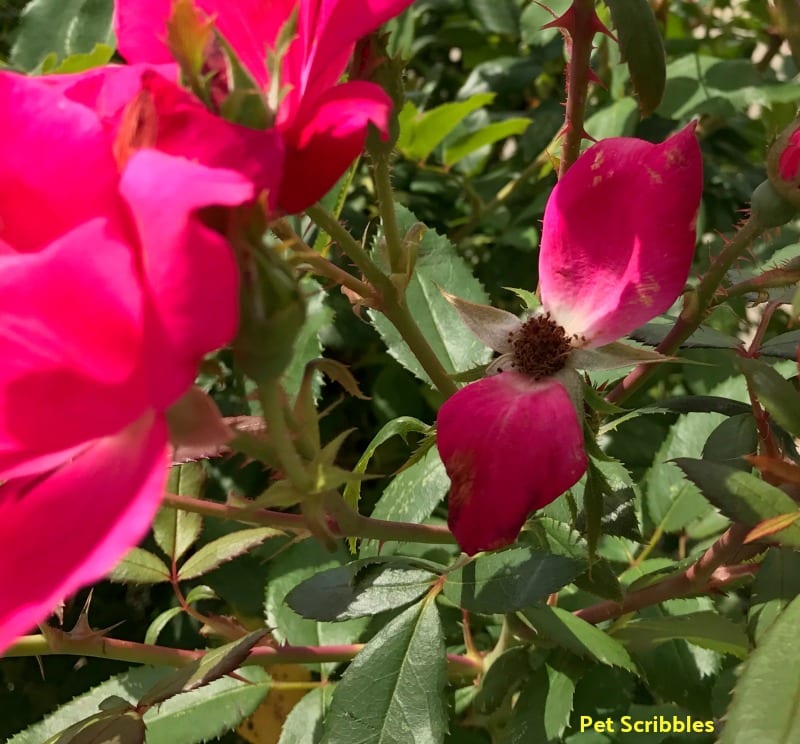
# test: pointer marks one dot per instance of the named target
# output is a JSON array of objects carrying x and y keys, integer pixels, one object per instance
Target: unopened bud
[
  {"x": 272, "y": 311},
  {"x": 783, "y": 164},
  {"x": 769, "y": 207}
]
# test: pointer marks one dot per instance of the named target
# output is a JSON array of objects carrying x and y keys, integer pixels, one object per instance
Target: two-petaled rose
[{"x": 617, "y": 244}]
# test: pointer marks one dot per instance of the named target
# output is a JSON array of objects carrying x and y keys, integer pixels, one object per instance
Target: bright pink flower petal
[
  {"x": 42, "y": 137},
  {"x": 328, "y": 29},
  {"x": 190, "y": 269},
  {"x": 619, "y": 235},
  {"x": 510, "y": 446},
  {"x": 141, "y": 30},
  {"x": 187, "y": 129},
  {"x": 68, "y": 528},
  {"x": 327, "y": 139},
  {"x": 70, "y": 341},
  {"x": 249, "y": 26},
  {"x": 109, "y": 89}
]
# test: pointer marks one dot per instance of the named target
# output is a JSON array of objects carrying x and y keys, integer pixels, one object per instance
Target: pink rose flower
[
  {"x": 322, "y": 122},
  {"x": 112, "y": 288},
  {"x": 617, "y": 245}
]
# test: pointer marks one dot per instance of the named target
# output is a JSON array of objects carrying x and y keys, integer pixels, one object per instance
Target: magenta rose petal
[
  {"x": 510, "y": 445},
  {"x": 619, "y": 235},
  {"x": 190, "y": 269},
  {"x": 67, "y": 528},
  {"x": 71, "y": 344}
]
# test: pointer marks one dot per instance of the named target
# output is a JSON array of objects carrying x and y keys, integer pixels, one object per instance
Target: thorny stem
[
  {"x": 389, "y": 302},
  {"x": 696, "y": 304},
  {"x": 382, "y": 178},
  {"x": 141, "y": 653},
  {"x": 710, "y": 573},
  {"x": 319, "y": 264},
  {"x": 581, "y": 23},
  {"x": 348, "y": 522}
]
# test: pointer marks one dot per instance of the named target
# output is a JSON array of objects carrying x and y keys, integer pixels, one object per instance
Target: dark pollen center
[{"x": 540, "y": 347}]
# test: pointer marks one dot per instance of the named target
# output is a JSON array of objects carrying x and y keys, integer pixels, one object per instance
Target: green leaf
[
  {"x": 303, "y": 725},
  {"x": 496, "y": 16},
  {"x": 783, "y": 346},
  {"x": 617, "y": 120},
  {"x": 766, "y": 700},
  {"x": 100, "y": 55},
  {"x": 399, "y": 426},
  {"x": 308, "y": 344},
  {"x": 286, "y": 571},
  {"x": 210, "y": 666},
  {"x": 776, "y": 584},
  {"x": 466, "y": 144},
  {"x": 775, "y": 393},
  {"x": 393, "y": 692},
  {"x": 412, "y": 496},
  {"x": 504, "y": 677},
  {"x": 224, "y": 549},
  {"x": 642, "y": 48},
  {"x": 176, "y": 530},
  {"x": 559, "y": 538},
  {"x": 140, "y": 567},
  {"x": 159, "y": 623},
  {"x": 438, "y": 265},
  {"x": 207, "y": 712},
  {"x": 65, "y": 27},
  {"x": 576, "y": 635},
  {"x": 700, "y": 83},
  {"x": 508, "y": 580},
  {"x": 212, "y": 710},
  {"x": 741, "y": 496},
  {"x": 105, "y": 728},
  {"x": 670, "y": 502},
  {"x": 734, "y": 437},
  {"x": 705, "y": 629},
  {"x": 543, "y": 708},
  {"x": 420, "y": 133},
  {"x": 360, "y": 589}
]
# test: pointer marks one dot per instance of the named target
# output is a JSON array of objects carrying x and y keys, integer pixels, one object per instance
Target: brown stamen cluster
[{"x": 540, "y": 347}]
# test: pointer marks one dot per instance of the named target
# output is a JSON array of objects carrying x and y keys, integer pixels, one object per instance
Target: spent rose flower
[
  {"x": 106, "y": 279},
  {"x": 617, "y": 244},
  {"x": 323, "y": 122}
]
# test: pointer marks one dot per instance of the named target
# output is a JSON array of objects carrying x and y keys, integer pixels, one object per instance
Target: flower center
[{"x": 540, "y": 347}]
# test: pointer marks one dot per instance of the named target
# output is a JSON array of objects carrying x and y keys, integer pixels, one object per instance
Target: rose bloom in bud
[
  {"x": 617, "y": 245},
  {"x": 106, "y": 270},
  {"x": 321, "y": 121}
]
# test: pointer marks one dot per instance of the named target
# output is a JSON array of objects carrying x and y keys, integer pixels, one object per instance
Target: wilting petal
[
  {"x": 68, "y": 528},
  {"x": 510, "y": 446},
  {"x": 190, "y": 269},
  {"x": 326, "y": 138},
  {"x": 71, "y": 344},
  {"x": 619, "y": 235},
  {"x": 42, "y": 137}
]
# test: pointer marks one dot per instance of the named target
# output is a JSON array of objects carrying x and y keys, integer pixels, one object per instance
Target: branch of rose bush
[
  {"x": 100, "y": 647},
  {"x": 696, "y": 304},
  {"x": 345, "y": 524},
  {"x": 719, "y": 566},
  {"x": 581, "y": 23},
  {"x": 382, "y": 180},
  {"x": 319, "y": 264},
  {"x": 387, "y": 299}
]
